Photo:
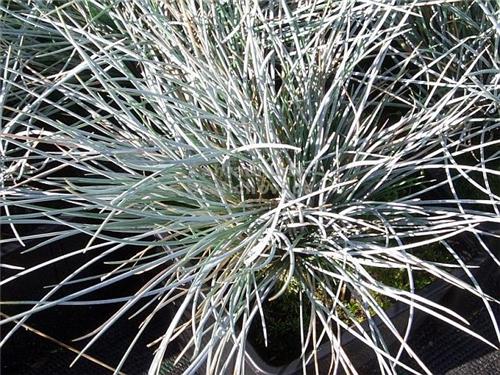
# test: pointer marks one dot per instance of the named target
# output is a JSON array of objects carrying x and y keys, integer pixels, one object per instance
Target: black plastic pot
[{"x": 358, "y": 352}]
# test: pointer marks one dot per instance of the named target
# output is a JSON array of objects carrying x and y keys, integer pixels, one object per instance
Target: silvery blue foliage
[{"x": 242, "y": 146}]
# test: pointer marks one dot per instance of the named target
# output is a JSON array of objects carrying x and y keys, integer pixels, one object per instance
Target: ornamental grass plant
[{"x": 252, "y": 152}]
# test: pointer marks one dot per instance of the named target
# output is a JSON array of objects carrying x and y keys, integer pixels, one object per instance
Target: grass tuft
[{"x": 250, "y": 148}]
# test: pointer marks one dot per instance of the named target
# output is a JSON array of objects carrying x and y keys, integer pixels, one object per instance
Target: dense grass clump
[{"x": 252, "y": 151}]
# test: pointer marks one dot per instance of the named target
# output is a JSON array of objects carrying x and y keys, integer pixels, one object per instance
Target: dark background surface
[{"x": 30, "y": 353}]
